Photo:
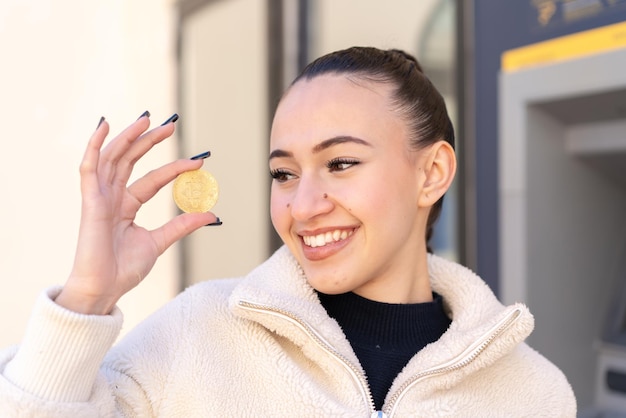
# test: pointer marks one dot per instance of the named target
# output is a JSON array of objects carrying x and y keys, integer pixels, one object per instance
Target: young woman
[{"x": 352, "y": 317}]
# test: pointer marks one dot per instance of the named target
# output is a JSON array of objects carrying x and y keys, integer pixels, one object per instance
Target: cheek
[
  {"x": 383, "y": 199},
  {"x": 375, "y": 194},
  {"x": 279, "y": 211}
]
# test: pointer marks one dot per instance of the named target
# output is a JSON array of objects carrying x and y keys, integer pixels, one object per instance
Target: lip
[{"x": 328, "y": 250}]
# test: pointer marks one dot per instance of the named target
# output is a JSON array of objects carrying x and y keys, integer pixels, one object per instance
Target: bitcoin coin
[{"x": 195, "y": 191}]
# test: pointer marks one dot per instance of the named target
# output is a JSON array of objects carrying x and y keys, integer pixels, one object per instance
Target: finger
[
  {"x": 179, "y": 227},
  {"x": 146, "y": 187},
  {"x": 138, "y": 149},
  {"x": 115, "y": 149},
  {"x": 89, "y": 164}
]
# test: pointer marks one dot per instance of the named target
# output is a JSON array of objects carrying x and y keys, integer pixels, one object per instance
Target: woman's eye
[
  {"x": 341, "y": 164},
  {"x": 281, "y": 176}
]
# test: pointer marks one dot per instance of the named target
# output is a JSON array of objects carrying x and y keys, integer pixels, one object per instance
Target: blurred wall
[
  {"x": 64, "y": 64},
  {"x": 384, "y": 24},
  {"x": 223, "y": 96}
]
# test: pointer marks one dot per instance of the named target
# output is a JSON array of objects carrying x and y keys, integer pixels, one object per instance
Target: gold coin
[{"x": 195, "y": 191}]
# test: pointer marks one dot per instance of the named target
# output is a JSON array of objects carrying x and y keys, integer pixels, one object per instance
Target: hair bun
[{"x": 408, "y": 57}]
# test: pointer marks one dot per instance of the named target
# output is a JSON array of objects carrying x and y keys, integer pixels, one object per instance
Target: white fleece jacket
[{"x": 264, "y": 346}]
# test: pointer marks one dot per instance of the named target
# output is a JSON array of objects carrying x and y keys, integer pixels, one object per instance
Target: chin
[{"x": 326, "y": 284}]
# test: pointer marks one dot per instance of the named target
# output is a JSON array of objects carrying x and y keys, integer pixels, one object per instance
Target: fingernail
[
  {"x": 201, "y": 156},
  {"x": 217, "y": 222},
  {"x": 146, "y": 113},
  {"x": 100, "y": 123},
  {"x": 171, "y": 119}
]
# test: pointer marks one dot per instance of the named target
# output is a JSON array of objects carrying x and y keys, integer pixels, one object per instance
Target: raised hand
[{"x": 114, "y": 254}]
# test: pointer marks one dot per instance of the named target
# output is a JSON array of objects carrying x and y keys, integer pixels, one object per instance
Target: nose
[{"x": 310, "y": 199}]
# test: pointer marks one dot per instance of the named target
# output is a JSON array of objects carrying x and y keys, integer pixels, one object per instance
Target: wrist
[{"x": 83, "y": 304}]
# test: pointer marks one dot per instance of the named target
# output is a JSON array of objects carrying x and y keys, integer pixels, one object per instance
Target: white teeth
[{"x": 326, "y": 238}]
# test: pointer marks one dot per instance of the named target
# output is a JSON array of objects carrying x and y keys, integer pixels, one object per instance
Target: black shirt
[{"x": 385, "y": 336}]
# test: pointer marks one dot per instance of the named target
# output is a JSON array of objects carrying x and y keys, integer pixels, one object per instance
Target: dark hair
[{"x": 417, "y": 100}]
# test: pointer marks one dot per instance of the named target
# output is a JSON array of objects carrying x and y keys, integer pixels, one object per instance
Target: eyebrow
[{"x": 277, "y": 153}]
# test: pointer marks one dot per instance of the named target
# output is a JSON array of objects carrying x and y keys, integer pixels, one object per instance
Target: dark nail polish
[
  {"x": 201, "y": 156},
  {"x": 171, "y": 119},
  {"x": 217, "y": 222},
  {"x": 100, "y": 123},
  {"x": 146, "y": 113}
]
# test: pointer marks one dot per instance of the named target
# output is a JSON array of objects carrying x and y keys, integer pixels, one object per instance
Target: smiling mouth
[{"x": 326, "y": 238}]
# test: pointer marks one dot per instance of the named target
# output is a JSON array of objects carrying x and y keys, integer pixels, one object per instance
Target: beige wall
[
  {"x": 64, "y": 64},
  {"x": 384, "y": 24},
  {"x": 224, "y": 98}
]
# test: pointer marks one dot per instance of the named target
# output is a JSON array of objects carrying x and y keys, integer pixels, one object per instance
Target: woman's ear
[{"x": 439, "y": 171}]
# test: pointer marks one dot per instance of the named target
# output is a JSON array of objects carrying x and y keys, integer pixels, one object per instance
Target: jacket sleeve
[
  {"x": 546, "y": 390},
  {"x": 55, "y": 371}
]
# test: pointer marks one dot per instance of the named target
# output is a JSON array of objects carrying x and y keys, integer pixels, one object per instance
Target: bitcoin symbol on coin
[{"x": 195, "y": 191}]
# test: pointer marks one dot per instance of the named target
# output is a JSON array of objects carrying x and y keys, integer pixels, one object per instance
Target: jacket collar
[
  {"x": 280, "y": 284},
  {"x": 480, "y": 324},
  {"x": 280, "y": 288}
]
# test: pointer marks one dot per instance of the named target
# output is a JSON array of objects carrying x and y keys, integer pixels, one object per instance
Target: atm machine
[
  {"x": 562, "y": 201},
  {"x": 611, "y": 369}
]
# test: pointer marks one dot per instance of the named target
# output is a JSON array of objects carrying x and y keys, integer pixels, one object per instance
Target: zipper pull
[{"x": 378, "y": 414}]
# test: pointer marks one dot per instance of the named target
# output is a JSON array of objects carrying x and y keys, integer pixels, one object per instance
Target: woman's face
[{"x": 345, "y": 187}]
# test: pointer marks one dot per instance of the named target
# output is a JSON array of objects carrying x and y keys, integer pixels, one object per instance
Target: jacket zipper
[
  {"x": 456, "y": 363},
  {"x": 354, "y": 371}
]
